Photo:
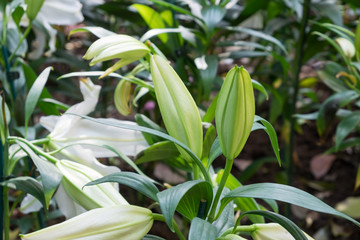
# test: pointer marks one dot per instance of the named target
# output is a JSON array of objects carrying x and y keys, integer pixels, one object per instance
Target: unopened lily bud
[
  {"x": 116, "y": 222},
  {"x": 178, "y": 109},
  {"x": 122, "y": 97},
  {"x": 119, "y": 46},
  {"x": 347, "y": 46},
  {"x": 76, "y": 175},
  {"x": 235, "y": 111},
  {"x": 272, "y": 231}
]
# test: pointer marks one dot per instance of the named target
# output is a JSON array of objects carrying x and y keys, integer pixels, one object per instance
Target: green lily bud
[
  {"x": 235, "y": 111},
  {"x": 122, "y": 97},
  {"x": 116, "y": 222},
  {"x": 178, "y": 109},
  {"x": 272, "y": 231},
  {"x": 347, "y": 47},
  {"x": 76, "y": 175},
  {"x": 127, "y": 48}
]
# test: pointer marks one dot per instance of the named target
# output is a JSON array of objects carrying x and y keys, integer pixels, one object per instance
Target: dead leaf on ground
[{"x": 321, "y": 164}]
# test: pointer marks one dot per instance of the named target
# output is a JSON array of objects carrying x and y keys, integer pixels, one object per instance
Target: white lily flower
[
  {"x": 76, "y": 175},
  {"x": 347, "y": 46},
  {"x": 272, "y": 231},
  {"x": 70, "y": 129},
  {"x": 118, "y": 222}
]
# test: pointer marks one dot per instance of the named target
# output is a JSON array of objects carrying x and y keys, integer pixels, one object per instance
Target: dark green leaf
[
  {"x": 186, "y": 199},
  {"x": 215, "y": 152},
  {"x": 208, "y": 75},
  {"x": 27, "y": 185},
  {"x": 251, "y": 7},
  {"x": 152, "y": 237},
  {"x": 244, "y": 54},
  {"x": 138, "y": 182},
  {"x": 212, "y": 15},
  {"x": 260, "y": 87},
  {"x": 210, "y": 113},
  {"x": 144, "y": 121},
  {"x": 17, "y": 15},
  {"x": 50, "y": 175},
  {"x": 209, "y": 139},
  {"x": 34, "y": 94},
  {"x": 201, "y": 229},
  {"x": 286, "y": 194},
  {"x": 346, "y": 126}
]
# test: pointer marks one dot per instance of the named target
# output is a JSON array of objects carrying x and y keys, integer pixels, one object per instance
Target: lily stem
[
  {"x": 227, "y": 170},
  {"x": 161, "y": 218},
  {"x": 23, "y": 37}
]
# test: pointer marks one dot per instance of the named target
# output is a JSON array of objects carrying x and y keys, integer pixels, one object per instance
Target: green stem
[
  {"x": 6, "y": 217},
  {"x": 195, "y": 172},
  {"x": 297, "y": 68},
  {"x": 239, "y": 229},
  {"x": 159, "y": 217},
  {"x": 34, "y": 148},
  {"x": 23, "y": 37},
  {"x": 227, "y": 170}
]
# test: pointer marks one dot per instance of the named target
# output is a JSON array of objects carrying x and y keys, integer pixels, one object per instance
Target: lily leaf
[
  {"x": 201, "y": 229},
  {"x": 186, "y": 198}
]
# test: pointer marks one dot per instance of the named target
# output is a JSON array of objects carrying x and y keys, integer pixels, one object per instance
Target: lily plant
[{"x": 211, "y": 203}]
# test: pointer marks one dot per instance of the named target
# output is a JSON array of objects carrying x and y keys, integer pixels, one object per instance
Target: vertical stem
[
  {"x": 2, "y": 191},
  {"x": 5, "y": 200},
  {"x": 297, "y": 68},
  {"x": 227, "y": 170}
]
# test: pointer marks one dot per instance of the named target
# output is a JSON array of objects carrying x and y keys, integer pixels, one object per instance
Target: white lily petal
[
  {"x": 88, "y": 132},
  {"x": 272, "y": 231},
  {"x": 66, "y": 205},
  {"x": 118, "y": 222},
  {"x": 30, "y": 204},
  {"x": 49, "y": 122},
  {"x": 64, "y": 12}
]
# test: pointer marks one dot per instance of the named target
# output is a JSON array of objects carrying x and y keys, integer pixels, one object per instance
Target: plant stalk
[
  {"x": 159, "y": 217},
  {"x": 227, "y": 170},
  {"x": 297, "y": 68}
]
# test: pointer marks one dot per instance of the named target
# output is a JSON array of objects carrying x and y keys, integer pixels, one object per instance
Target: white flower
[
  {"x": 71, "y": 129},
  {"x": 347, "y": 46},
  {"x": 118, "y": 222}
]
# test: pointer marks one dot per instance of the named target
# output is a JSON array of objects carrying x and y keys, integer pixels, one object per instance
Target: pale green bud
[
  {"x": 272, "y": 231},
  {"x": 178, "y": 109},
  {"x": 235, "y": 111},
  {"x": 122, "y": 97},
  {"x": 116, "y": 222},
  {"x": 119, "y": 46},
  {"x": 347, "y": 47},
  {"x": 76, "y": 175}
]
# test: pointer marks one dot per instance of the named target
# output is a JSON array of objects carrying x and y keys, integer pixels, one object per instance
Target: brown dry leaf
[{"x": 321, "y": 164}]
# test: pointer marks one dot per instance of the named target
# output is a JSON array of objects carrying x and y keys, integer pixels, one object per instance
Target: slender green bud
[
  {"x": 235, "y": 112},
  {"x": 76, "y": 175},
  {"x": 119, "y": 46},
  {"x": 178, "y": 109},
  {"x": 347, "y": 46},
  {"x": 116, "y": 222}
]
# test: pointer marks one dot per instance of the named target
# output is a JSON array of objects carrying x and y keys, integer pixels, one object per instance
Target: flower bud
[
  {"x": 347, "y": 47},
  {"x": 235, "y": 111},
  {"x": 178, "y": 109},
  {"x": 272, "y": 231},
  {"x": 122, "y": 97},
  {"x": 116, "y": 222},
  {"x": 124, "y": 47},
  {"x": 76, "y": 175}
]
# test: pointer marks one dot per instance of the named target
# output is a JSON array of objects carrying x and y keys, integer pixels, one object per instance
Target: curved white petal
[
  {"x": 30, "y": 204},
  {"x": 66, "y": 205},
  {"x": 89, "y": 133},
  {"x": 64, "y": 12}
]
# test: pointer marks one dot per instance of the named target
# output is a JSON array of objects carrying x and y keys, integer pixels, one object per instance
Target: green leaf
[
  {"x": 226, "y": 219},
  {"x": 27, "y": 185},
  {"x": 152, "y": 18},
  {"x": 269, "y": 129},
  {"x": 97, "y": 31},
  {"x": 144, "y": 121},
  {"x": 135, "y": 181},
  {"x": 212, "y": 15},
  {"x": 208, "y": 75},
  {"x": 286, "y": 194},
  {"x": 33, "y": 7},
  {"x": 210, "y": 113},
  {"x": 4, "y": 120},
  {"x": 34, "y": 94},
  {"x": 50, "y": 175},
  {"x": 215, "y": 152},
  {"x": 186, "y": 199},
  {"x": 201, "y": 229},
  {"x": 259, "y": 34},
  {"x": 251, "y": 7},
  {"x": 328, "y": 10},
  {"x": 291, "y": 227},
  {"x": 347, "y": 125},
  {"x": 196, "y": 160},
  {"x": 244, "y": 54},
  {"x": 185, "y": 33},
  {"x": 328, "y": 109},
  {"x": 331, "y": 81},
  {"x": 244, "y": 204},
  {"x": 45, "y": 107},
  {"x": 17, "y": 15},
  {"x": 260, "y": 87},
  {"x": 152, "y": 237},
  {"x": 209, "y": 139}
]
